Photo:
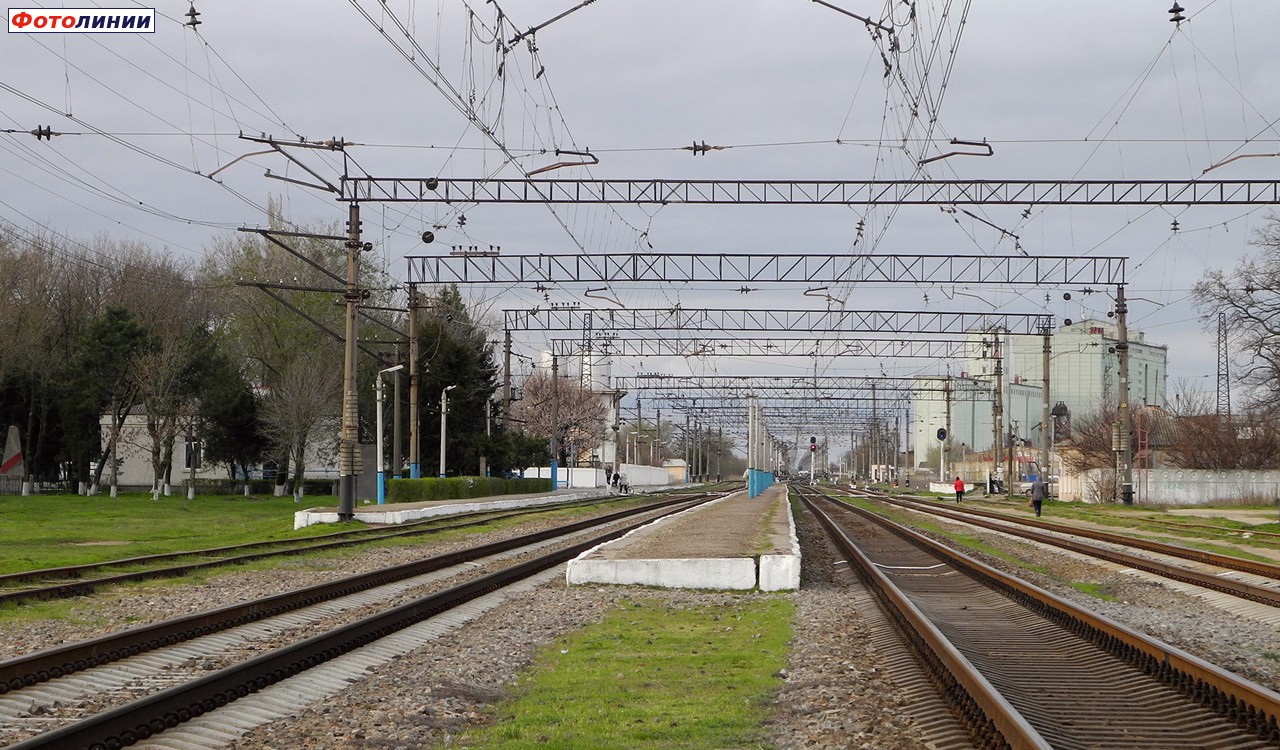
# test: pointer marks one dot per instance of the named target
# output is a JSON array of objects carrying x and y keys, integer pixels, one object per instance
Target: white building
[
  {"x": 133, "y": 457},
  {"x": 1083, "y": 372},
  {"x": 971, "y": 416},
  {"x": 1084, "y": 368}
]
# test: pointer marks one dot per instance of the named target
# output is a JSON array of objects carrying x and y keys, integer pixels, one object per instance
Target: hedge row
[
  {"x": 458, "y": 488},
  {"x": 257, "y": 486}
]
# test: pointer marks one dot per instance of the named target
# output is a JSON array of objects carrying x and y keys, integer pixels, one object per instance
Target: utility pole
[
  {"x": 657, "y": 438},
  {"x": 397, "y": 457},
  {"x": 1224, "y": 368},
  {"x": 945, "y": 448},
  {"x": 1124, "y": 453},
  {"x": 639, "y": 425},
  {"x": 1046, "y": 433},
  {"x": 698, "y": 451},
  {"x": 555, "y": 419},
  {"x": 897, "y": 448},
  {"x": 719, "y": 445},
  {"x": 506, "y": 380},
  {"x": 689, "y": 466},
  {"x": 997, "y": 406},
  {"x": 350, "y": 462},
  {"x": 752, "y": 446},
  {"x": 875, "y": 436},
  {"x": 415, "y": 381}
]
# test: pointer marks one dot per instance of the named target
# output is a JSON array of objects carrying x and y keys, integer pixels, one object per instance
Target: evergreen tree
[{"x": 455, "y": 351}]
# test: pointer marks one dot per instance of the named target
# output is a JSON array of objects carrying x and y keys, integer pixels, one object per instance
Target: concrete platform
[
  {"x": 736, "y": 543},
  {"x": 393, "y": 513}
]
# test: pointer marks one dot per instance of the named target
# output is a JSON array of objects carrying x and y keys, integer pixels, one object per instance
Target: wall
[
  {"x": 566, "y": 477},
  {"x": 1185, "y": 486},
  {"x": 645, "y": 476}
]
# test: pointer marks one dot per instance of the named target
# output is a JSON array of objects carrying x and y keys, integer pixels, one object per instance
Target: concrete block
[
  {"x": 779, "y": 572},
  {"x": 705, "y": 573}
]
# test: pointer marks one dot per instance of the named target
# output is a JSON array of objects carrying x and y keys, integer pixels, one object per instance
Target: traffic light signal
[{"x": 813, "y": 444}]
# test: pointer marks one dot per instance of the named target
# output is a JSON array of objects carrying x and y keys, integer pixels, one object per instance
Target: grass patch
[
  {"x": 651, "y": 675},
  {"x": 54, "y": 530},
  {"x": 1092, "y": 589}
]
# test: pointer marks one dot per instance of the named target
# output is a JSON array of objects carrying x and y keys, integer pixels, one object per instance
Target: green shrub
[
  {"x": 460, "y": 488},
  {"x": 256, "y": 486}
]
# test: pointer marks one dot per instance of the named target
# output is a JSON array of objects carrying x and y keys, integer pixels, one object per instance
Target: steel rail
[
  {"x": 1249, "y": 705},
  {"x": 1244, "y": 590},
  {"x": 344, "y": 539},
  {"x": 40, "y": 666},
  {"x": 139, "y": 720},
  {"x": 989, "y": 718}
]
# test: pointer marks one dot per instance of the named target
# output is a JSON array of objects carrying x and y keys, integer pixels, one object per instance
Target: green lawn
[
  {"x": 53, "y": 530},
  {"x": 651, "y": 676}
]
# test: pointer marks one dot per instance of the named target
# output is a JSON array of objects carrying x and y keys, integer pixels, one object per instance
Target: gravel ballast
[{"x": 834, "y": 693}]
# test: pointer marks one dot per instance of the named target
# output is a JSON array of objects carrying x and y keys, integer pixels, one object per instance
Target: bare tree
[
  {"x": 1090, "y": 446},
  {"x": 581, "y": 413},
  {"x": 1210, "y": 441},
  {"x": 301, "y": 407},
  {"x": 1249, "y": 295},
  {"x": 1190, "y": 398}
]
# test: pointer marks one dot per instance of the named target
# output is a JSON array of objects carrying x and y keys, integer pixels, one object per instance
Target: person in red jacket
[{"x": 959, "y": 489}]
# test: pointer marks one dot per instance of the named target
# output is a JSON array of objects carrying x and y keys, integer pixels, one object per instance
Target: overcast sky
[{"x": 1093, "y": 89}]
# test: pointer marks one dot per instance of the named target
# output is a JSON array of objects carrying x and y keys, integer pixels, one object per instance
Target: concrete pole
[
  {"x": 488, "y": 433},
  {"x": 506, "y": 380},
  {"x": 1046, "y": 431},
  {"x": 1012, "y": 457},
  {"x": 382, "y": 471},
  {"x": 349, "y": 458},
  {"x": 555, "y": 419},
  {"x": 751, "y": 446},
  {"x": 415, "y": 381},
  {"x": 997, "y": 407},
  {"x": 688, "y": 451},
  {"x": 1124, "y": 457},
  {"x": 444, "y": 424},
  {"x": 946, "y": 444},
  {"x": 397, "y": 457},
  {"x": 657, "y": 435}
]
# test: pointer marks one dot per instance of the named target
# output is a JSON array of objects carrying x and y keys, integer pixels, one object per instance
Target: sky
[{"x": 1092, "y": 89}]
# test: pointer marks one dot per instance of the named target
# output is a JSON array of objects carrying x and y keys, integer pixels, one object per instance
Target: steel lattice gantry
[
  {"x": 789, "y": 417},
  {"x": 938, "y": 350},
  {"x": 767, "y": 387},
  {"x": 766, "y": 268},
  {"x": 750, "y": 323},
  {"x": 815, "y": 192}
]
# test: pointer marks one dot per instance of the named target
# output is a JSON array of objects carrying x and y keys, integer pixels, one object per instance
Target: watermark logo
[{"x": 82, "y": 20}]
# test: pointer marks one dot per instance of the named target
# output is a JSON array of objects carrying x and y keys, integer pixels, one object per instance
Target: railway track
[
  {"x": 191, "y": 667},
  {"x": 1261, "y": 589},
  {"x": 1025, "y": 669},
  {"x": 52, "y": 583}
]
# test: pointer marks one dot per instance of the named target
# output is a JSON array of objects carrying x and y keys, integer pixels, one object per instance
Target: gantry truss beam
[
  {"x": 754, "y": 323},
  {"x": 815, "y": 269},
  {"x": 781, "y": 421},
  {"x": 776, "y": 347},
  {"x": 780, "y": 399},
  {"x": 862, "y": 406},
  {"x": 815, "y": 192},
  {"x": 767, "y": 387}
]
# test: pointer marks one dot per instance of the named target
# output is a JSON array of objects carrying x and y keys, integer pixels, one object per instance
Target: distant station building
[{"x": 1083, "y": 377}]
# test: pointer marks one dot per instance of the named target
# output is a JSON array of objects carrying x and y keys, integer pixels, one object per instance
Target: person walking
[
  {"x": 959, "y": 489},
  {"x": 1039, "y": 491}
]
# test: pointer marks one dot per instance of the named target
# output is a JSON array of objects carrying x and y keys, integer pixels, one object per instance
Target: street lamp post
[
  {"x": 444, "y": 421},
  {"x": 382, "y": 464}
]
